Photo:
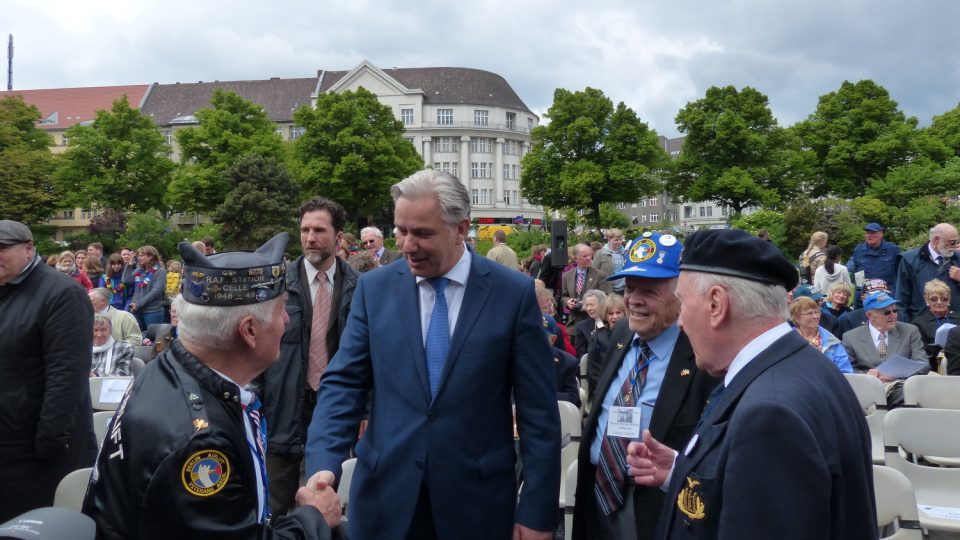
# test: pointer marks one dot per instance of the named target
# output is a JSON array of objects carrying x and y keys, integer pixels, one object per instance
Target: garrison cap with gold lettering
[{"x": 234, "y": 278}]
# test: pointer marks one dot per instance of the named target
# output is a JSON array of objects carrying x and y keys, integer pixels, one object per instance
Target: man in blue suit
[
  {"x": 782, "y": 450},
  {"x": 444, "y": 341}
]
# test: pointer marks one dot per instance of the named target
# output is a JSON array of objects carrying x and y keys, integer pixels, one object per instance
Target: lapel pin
[
  {"x": 619, "y": 345},
  {"x": 684, "y": 372}
]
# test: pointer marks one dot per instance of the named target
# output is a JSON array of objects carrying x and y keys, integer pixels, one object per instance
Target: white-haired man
[
  {"x": 372, "y": 240},
  {"x": 185, "y": 452},
  {"x": 124, "y": 324},
  {"x": 782, "y": 449},
  {"x": 937, "y": 259}
]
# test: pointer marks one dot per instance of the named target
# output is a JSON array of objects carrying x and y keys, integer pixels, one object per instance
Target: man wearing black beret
[
  {"x": 782, "y": 450},
  {"x": 184, "y": 455}
]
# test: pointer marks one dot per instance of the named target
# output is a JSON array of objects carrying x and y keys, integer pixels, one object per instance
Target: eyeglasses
[
  {"x": 809, "y": 313},
  {"x": 889, "y": 311},
  {"x": 369, "y": 242},
  {"x": 939, "y": 299},
  {"x": 954, "y": 242}
]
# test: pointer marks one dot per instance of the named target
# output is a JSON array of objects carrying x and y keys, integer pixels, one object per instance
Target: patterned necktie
[
  {"x": 882, "y": 345},
  {"x": 318, "y": 354},
  {"x": 438, "y": 334},
  {"x": 259, "y": 425},
  {"x": 611, "y": 472},
  {"x": 581, "y": 277},
  {"x": 939, "y": 260}
]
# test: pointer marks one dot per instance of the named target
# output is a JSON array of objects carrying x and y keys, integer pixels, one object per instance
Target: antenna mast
[{"x": 10, "y": 63}]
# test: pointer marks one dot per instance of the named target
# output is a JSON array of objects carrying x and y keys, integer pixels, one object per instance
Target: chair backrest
[
  {"x": 569, "y": 499},
  {"x": 913, "y": 433},
  {"x": 137, "y": 365},
  {"x": 106, "y": 392},
  {"x": 72, "y": 489},
  {"x": 346, "y": 478},
  {"x": 896, "y": 503},
  {"x": 570, "y": 420},
  {"x": 869, "y": 390},
  {"x": 932, "y": 392},
  {"x": 50, "y": 523},
  {"x": 584, "y": 362},
  {"x": 101, "y": 421},
  {"x": 143, "y": 352},
  {"x": 155, "y": 330}
]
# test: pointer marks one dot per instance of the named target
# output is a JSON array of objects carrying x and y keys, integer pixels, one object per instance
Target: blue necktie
[{"x": 438, "y": 335}]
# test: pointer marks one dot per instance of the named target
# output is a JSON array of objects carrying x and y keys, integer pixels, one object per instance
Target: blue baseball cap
[
  {"x": 873, "y": 227},
  {"x": 807, "y": 290},
  {"x": 878, "y": 300},
  {"x": 651, "y": 255}
]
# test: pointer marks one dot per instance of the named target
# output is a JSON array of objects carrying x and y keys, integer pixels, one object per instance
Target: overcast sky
[{"x": 654, "y": 56}]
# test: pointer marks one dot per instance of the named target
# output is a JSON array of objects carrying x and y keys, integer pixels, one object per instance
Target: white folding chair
[
  {"x": 932, "y": 392},
  {"x": 584, "y": 390},
  {"x": 896, "y": 504},
  {"x": 569, "y": 500},
  {"x": 343, "y": 490},
  {"x": 873, "y": 400},
  {"x": 910, "y": 436},
  {"x": 106, "y": 392},
  {"x": 72, "y": 489},
  {"x": 101, "y": 421},
  {"x": 571, "y": 429}
]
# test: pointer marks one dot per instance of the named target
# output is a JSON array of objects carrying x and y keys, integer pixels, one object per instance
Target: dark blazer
[
  {"x": 568, "y": 369},
  {"x": 771, "y": 462},
  {"x": 461, "y": 441},
  {"x": 595, "y": 279},
  {"x": 582, "y": 334},
  {"x": 389, "y": 256},
  {"x": 952, "y": 351},
  {"x": 682, "y": 396}
]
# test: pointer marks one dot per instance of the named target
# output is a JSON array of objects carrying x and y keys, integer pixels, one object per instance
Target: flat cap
[
  {"x": 14, "y": 232},
  {"x": 736, "y": 253},
  {"x": 234, "y": 278}
]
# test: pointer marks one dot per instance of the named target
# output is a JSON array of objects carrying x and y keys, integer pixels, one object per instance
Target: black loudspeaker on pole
[{"x": 558, "y": 244}]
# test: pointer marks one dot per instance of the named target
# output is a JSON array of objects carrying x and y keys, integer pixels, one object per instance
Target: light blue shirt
[
  {"x": 662, "y": 348},
  {"x": 453, "y": 293}
]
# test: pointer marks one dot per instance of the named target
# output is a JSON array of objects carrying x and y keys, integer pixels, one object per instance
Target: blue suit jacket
[
  {"x": 461, "y": 442},
  {"x": 784, "y": 453}
]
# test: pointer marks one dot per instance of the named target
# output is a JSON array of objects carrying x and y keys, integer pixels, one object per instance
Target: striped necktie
[
  {"x": 611, "y": 474},
  {"x": 259, "y": 427},
  {"x": 319, "y": 325}
]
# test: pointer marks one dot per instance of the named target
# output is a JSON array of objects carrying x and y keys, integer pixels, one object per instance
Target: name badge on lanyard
[{"x": 624, "y": 422}]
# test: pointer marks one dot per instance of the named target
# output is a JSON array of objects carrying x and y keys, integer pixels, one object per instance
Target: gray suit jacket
[
  {"x": 903, "y": 339},
  {"x": 595, "y": 279}
]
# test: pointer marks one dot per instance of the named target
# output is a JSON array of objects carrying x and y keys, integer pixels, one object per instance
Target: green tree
[
  {"x": 946, "y": 129},
  {"x": 231, "y": 128},
  {"x": 151, "y": 229},
  {"x": 769, "y": 220},
  {"x": 591, "y": 153},
  {"x": 857, "y": 133},
  {"x": 732, "y": 151},
  {"x": 262, "y": 201},
  {"x": 352, "y": 151},
  {"x": 119, "y": 161},
  {"x": 26, "y": 191}
]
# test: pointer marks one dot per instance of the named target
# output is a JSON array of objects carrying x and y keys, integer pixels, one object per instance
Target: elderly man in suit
[
  {"x": 869, "y": 345},
  {"x": 579, "y": 280},
  {"x": 372, "y": 240},
  {"x": 783, "y": 449},
  {"x": 448, "y": 342},
  {"x": 650, "y": 364}
]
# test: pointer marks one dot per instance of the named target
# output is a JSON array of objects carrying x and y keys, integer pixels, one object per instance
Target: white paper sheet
[
  {"x": 112, "y": 390},
  {"x": 940, "y": 512}
]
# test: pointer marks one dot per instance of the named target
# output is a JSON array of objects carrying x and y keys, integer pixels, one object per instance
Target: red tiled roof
[{"x": 75, "y": 105}]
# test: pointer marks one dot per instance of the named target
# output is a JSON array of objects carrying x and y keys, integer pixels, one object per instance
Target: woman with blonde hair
[
  {"x": 612, "y": 310},
  {"x": 814, "y": 256},
  {"x": 805, "y": 314},
  {"x": 67, "y": 263}
]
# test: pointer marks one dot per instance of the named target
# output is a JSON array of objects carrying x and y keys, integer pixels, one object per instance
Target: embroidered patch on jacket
[
  {"x": 689, "y": 501},
  {"x": 205, "y": 473}
]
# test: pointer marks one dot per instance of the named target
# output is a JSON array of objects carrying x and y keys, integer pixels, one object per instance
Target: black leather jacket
[{"x": 176, "y": 462}]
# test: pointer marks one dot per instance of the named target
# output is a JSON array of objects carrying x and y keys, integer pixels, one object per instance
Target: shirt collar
[
  {"x": 460, "y": 271},
  {"x": 754, "y": 348},
  {"x": 312, "y": 271},
  {"x": 25, "y": 272},
  {"x": 246, "y": 396},
  {"x": 662, "y": 342}
]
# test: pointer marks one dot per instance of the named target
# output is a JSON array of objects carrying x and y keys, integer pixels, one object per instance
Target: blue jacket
[
  {"x": 877, "y": 263},
  {"x": 913, "y": 272},
  {"x": 832, "y": 348}
]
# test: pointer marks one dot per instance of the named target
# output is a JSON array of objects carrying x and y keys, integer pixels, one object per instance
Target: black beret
[
  {"x": 234, "y": 278},
  {"x": 736, "y": 253}
]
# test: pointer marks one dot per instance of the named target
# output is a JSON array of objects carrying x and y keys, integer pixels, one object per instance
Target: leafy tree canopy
[
  {"x": 119, "y": 161},
  {"x": 352, "y": 151},
  {"x": 591, "y": 153},
  {"x": 262, "y": 201},
  {"x": 231, "y": 128},
  {"x": 26, "y": 191}
]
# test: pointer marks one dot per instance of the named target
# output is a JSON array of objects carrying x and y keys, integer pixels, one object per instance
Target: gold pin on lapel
[
  {"x": 684, "y": 372},
  {"x": 619, "y": 345},
  {"x": 199, "y": 424}
]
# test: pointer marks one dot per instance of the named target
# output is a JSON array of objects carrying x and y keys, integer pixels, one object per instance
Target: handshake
[{"x": 319, "y": 494}]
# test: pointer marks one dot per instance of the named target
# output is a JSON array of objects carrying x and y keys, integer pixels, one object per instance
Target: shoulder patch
[{"x": 205, "y": 473}]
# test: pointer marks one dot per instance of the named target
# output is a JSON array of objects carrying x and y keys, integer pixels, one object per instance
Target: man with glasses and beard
[{"x": 936, "y": 260}]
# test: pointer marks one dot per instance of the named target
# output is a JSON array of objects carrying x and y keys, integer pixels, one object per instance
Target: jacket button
[
  {"x": 226, "y": 395},
  {"x": 419, "y": 464},
  {"x": 432, "y": 416}
]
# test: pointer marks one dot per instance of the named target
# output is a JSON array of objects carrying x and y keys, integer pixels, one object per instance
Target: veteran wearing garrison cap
[
  {"x": 649, "y": 368},
  {"x": 782, "y": 450},
  {"x": 184, "y": 454}
]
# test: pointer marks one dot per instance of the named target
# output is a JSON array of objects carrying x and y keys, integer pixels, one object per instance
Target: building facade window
[
  {"x": 445, "y": 117},
  {"x": 511, "y": 197},
  {"x": 296, "y": 132},
  {"x": 66, "y": 140},
  {"x": 481, "y": 118},
  {"x": 621, "y": 206},
  {"x": 446, "y": 144},
  {"x": 480, "y": 169},
  {"x": 481, "y": 144},
  {"x": 168, "y": 136},
  {"x": 447, "y": 167},
  {"x": 687, "y": 212},
  {"x": 511, "y": 147},
  {"x": 654, "y": 218},
  {"x": 653, "y": 201},
  {"x": 510, "y": 171},
  {"x": 406, "y": 115},
  {"x": 511, "y": 120},
  {"x": 481, "y": 196},
  {"x": 529, "y": 124}
]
